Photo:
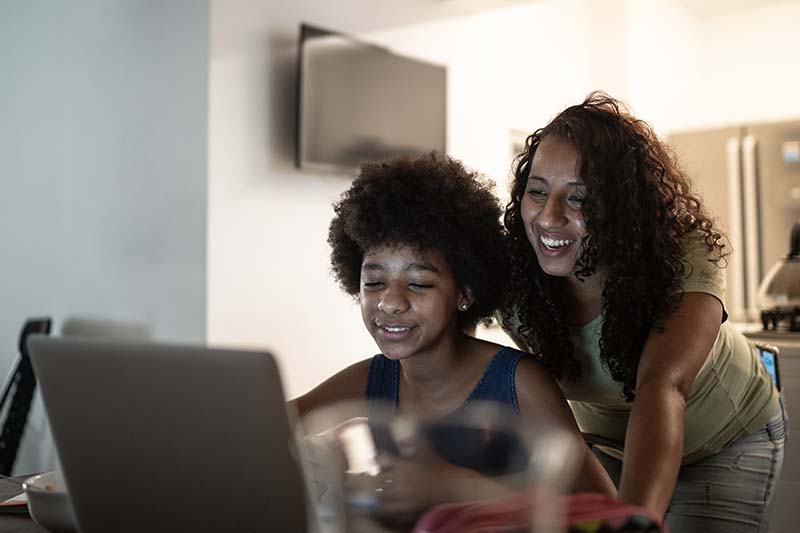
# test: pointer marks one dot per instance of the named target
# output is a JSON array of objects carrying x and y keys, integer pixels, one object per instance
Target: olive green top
[{"x": 731, "y": 396}]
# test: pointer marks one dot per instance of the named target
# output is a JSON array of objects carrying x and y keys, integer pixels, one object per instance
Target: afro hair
[{"x": 429, "y": 203}]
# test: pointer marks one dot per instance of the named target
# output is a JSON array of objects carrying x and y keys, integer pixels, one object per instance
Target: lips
[
  {"x": 394, "y": 329},
  {"x": 394, "y": 332},
  {"x": 554, "y": 244}
]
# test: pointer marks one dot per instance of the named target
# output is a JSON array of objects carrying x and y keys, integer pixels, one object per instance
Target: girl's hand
[
  {"x": 403, "y": 490},
  {"x": 407, "y": 487}
]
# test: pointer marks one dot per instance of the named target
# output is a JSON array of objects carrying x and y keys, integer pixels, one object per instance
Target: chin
[
  {"x": 560, "y": 269},
  {"x": 559, "y": 273},
  {"x": 395, "y": 356},
  {"x": 392, "y": 352}
]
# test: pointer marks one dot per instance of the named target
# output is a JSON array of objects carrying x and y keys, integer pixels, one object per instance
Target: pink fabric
[{"x": 585, "y": 511}]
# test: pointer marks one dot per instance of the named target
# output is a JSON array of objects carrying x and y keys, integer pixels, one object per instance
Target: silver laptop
[{"x": 158, "y": 438}]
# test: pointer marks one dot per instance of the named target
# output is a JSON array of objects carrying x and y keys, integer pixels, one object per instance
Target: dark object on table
[
  {"x": 23, "y": 383},
  {"x": 480, "y": 437},
  {"x": 489, "y": 451}
]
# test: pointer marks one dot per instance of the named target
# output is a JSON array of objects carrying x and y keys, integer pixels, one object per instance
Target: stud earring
[{"x": 464, "y": 307}]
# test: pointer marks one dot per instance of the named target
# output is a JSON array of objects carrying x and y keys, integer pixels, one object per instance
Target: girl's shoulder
[
  {"x": 347, "y": 384},
  {"x": 530, "y": 374},
  {"x": 538, "y": 393}
]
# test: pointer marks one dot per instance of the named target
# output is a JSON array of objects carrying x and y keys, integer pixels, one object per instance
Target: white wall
[
  {"x": 699, "y": 69},
  {"x": 507, "y": 68},
  {"x": 103, "y": 172},
  {"x": 663, "y": 54},
  {"x": 751, "y": 65},
  {"x": 268, "y": 282}
]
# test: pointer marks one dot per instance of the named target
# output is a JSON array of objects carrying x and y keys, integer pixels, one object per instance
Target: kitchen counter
[{"x": 787, "y": 341}]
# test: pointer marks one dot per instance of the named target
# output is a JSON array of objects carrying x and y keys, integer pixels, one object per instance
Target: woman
[
  {"x": 419, "y": 244},
  {"x": 618, "y": 283}
]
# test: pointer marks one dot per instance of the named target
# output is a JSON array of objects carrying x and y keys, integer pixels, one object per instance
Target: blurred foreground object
[
  {"x": 583, "y": 513},
  {"x": 372, "y": 470}
]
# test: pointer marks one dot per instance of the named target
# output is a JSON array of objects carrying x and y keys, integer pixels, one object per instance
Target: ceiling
[
  {"x": 383, "y": 14},
  {"x": 715, "y": 7}
]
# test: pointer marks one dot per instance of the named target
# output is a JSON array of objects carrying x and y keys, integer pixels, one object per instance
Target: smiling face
[
  {"x": 551, "y": 206},
  {"x": 409, "y": 300}
]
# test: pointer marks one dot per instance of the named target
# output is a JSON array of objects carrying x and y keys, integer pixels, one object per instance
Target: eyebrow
[
  {"x": 415, "y": 267},
  {"x": 573, "y": 182}
]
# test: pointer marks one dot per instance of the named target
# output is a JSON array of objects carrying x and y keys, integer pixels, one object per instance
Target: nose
[
  {"x": 552, "y": 214},
  {"x": 393, "y": 301}
]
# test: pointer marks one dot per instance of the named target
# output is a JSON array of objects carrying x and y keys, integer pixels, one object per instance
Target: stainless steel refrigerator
[{"x": 749, "y": 177}]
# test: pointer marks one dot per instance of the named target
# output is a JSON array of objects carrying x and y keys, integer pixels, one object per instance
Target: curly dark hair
[
  {"x": 430, "y": 203},
  {"x": 639, "y": 210}
]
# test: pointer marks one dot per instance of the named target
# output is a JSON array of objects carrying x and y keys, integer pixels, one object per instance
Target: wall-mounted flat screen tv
[{"x": 359, "y": 102}]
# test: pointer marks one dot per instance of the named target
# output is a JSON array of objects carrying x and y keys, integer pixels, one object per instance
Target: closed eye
[{"x": 537, "y": 193}]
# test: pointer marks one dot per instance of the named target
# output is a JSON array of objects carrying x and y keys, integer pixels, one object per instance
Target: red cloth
[{"x": 585, "y": 512}]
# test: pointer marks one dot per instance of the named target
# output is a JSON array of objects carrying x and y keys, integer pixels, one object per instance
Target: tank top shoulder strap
[
  {"x": 382, "y": 379},
  {"x": 497, "y": 383}
]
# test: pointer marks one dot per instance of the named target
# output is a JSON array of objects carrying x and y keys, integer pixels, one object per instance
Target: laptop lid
[{"x": 156, "y": 437}]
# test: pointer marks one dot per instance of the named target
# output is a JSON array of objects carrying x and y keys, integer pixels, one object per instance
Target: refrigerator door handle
[
  {"x": 736, "y": 290},
  {"x": 752, "y": 256}
]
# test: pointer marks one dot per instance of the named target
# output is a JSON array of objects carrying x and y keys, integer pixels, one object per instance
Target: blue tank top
[
  {"x": 496, "y": 383},
  {"x": 488, "y": 452}
]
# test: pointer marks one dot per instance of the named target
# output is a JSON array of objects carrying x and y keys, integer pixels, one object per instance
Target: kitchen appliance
[
  {"x": 749, "y": 177},
  {"x": 779, "y": 294}
]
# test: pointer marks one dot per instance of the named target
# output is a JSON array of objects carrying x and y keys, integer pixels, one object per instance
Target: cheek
[
  {"x": 444, "y": 309},
  {"x": 364, "y": 304},
  {"x": 580, "y": 223},
  {"x": 528, "y": 211},
  {"x": 526, "y": 208}
]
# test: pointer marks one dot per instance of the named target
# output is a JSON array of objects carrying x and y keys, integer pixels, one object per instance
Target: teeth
[
  {"x": 555, "y": 243},
  {"x": 395, "y": 330}
]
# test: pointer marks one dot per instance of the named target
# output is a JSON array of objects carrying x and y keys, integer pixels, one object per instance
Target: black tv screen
[{"x": 359, "y": 102}]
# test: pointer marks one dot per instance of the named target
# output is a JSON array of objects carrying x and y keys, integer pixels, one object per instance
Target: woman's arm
[
  {"x": 347, "y": 384},
  {"x": 668, "y": 366},
  {"x": 540, "y": 399}
]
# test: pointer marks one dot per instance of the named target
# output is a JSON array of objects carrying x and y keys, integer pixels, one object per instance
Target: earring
[{"x": 464, "y": 307}]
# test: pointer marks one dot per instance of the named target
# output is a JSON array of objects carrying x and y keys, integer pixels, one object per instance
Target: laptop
[{"x": 155, "y": 437}]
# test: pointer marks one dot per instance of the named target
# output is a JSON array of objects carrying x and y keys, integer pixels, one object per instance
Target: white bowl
[{"x": 48, "y": 502}]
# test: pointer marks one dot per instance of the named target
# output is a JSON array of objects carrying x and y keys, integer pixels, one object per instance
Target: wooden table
[{"x": 15, "y": 523}]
